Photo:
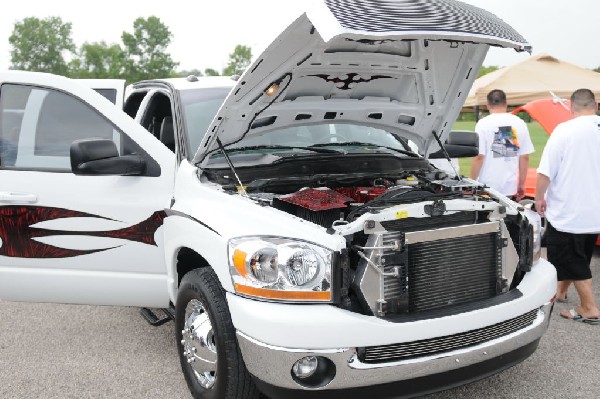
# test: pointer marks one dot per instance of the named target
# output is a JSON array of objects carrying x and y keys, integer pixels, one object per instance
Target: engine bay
[{"x": 340, "y": 199}]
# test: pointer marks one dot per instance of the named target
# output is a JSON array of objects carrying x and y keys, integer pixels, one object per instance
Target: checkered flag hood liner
[{"x": 420, "y": 15}]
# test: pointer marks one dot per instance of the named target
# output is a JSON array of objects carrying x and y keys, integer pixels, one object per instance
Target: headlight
[
  {"x": 280, "y": 269},
  {"x": 536, "y": 222}
]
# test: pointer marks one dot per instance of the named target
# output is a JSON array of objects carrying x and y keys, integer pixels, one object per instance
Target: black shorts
[{"x": 570, "y": 253}]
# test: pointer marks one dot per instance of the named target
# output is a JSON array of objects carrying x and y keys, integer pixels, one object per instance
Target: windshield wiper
[
  {"x": 358, "y": 144},
  {"x": 285, "y": 147}
]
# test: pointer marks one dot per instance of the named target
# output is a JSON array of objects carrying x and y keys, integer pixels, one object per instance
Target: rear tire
[{"x": 209, "y": 354}]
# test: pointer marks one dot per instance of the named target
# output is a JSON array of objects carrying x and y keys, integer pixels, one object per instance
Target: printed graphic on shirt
[{"x": 506, "y": 143}]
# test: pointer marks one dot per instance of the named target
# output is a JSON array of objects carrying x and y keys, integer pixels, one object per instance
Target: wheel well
[{"x": 188, "y": 260}]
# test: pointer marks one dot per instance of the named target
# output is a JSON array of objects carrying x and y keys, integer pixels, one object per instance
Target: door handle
[{"x": 18, "y": 198}]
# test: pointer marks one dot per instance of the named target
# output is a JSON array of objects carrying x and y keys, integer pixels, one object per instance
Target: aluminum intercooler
[{"x": 413, "y": 272}]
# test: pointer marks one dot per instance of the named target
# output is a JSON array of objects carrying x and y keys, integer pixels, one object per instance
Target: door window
[{"x": 38, "y": 125}]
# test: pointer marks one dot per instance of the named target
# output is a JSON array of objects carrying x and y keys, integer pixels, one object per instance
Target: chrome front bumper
[{"x": 272, "y": 365}]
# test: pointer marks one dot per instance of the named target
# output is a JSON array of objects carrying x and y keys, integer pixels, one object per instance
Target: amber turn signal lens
[
  {"x": 239, "y": 261},
  {"x": 285, "y": 295}
]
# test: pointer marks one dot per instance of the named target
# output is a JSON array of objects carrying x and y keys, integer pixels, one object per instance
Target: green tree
[
  {"x": 484, "y": 70},
  {"x": 597, "y": 69},
  {"x": 99, "y": 61},
  {"x": 146, "y": 50},
  {"x": 211, "y": 72},
  {"x": 41, "y": 45},
  {"x": 238, "y": 60}
]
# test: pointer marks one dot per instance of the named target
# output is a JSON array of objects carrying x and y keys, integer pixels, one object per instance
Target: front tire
[{"x": 209, "y": 354}]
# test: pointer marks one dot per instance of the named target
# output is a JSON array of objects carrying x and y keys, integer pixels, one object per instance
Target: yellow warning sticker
[{"x": 401, "y": 214}]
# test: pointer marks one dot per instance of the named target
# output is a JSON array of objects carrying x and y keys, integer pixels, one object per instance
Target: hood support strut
[
  {"x": 241, "y": 188},
  {"x": 437, "y": 138}
]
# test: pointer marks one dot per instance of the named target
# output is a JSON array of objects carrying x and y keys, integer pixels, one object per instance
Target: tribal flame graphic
[{"x": 18, "y": 236}]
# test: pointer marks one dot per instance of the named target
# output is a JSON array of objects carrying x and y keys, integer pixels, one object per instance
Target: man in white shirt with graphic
[
  {"x": 567, "y": 193},
  {"x": 504, "y": 148}
]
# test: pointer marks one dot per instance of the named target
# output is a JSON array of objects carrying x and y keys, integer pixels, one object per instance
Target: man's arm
[
  {"x": 476, "y": 165},
  {"x": 523, "y": 166},
  {"x": 541, "y": 186}
]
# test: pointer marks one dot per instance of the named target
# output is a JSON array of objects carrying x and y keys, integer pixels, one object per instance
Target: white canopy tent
[{"x": 533, "y": 79}]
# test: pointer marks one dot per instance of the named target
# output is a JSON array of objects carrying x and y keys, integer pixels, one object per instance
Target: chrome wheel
[{"x": 198, "y": 343}]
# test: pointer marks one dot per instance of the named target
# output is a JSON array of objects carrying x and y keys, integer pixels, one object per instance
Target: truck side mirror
[
  {"x": 460, "y": 144},
  {"x": 98, "y": 157}
]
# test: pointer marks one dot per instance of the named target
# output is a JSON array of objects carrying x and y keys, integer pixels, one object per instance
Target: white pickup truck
[{"x": 306, "y": 250}]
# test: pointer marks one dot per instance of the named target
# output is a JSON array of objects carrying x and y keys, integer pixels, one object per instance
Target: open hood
[{"x": 405, "y": 66}]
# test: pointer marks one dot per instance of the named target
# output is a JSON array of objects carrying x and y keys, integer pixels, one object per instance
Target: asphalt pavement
[{"x": 68, "y": 351}]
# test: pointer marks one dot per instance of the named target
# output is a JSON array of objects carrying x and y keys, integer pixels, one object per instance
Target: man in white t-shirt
[
  {"x": 504, "y": 148},
  {"x": 567, "y": 193}
]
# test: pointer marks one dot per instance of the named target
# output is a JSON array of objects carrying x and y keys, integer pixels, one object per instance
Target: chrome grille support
[{"x": 427, "y": 347}]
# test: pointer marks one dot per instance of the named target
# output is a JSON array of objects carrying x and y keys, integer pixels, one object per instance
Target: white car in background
[{"x": 305, "y": 250}]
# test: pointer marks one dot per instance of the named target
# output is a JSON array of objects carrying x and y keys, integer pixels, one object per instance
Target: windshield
[
  {"x": 199, "y": 108},
  {"x": 323, "y": 135},
  {"x": 201, "y": 105}
]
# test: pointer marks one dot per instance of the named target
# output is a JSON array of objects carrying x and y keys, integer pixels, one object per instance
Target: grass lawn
[{"x": 538, "y": 137}]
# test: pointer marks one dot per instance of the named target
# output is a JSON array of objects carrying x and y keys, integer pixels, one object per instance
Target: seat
[{"x": 167, "y": 133}]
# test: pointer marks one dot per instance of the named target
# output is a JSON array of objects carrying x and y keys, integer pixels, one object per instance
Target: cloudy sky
[{"x": 205, "y": 32}]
